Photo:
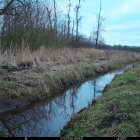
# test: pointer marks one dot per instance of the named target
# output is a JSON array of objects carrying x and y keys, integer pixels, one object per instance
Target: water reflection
[{"x": 47, "y": 119}]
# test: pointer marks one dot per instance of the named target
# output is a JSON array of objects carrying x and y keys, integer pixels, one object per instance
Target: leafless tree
[
  {"x": 55, "y": 21},
  {"x": 97, "y": 33},
  {"x": 49, "y": 12},
  {"x": 55, "y": 15},
  {"x": 69, "y": 19},
  {"x": 22, "y": 21},
  {"x": 77, "y": 8},
  {"x": 73, "y": 28},
  {"x": 5, "y": 7},
  {"x": 37, "y": 24}
]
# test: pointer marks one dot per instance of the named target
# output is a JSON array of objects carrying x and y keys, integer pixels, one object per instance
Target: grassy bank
[
  {"x": 116, "y": 113},
  {"x": 54, "y": 70}
]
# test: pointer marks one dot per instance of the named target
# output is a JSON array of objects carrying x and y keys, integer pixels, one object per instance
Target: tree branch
[{"x": 5, "y": 9}]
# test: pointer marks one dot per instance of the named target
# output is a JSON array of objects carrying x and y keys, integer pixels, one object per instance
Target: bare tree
[
  {"x": 6, "y": 7},
  {"x": 72, "y": 32},
  {"x": 69, "y": 20},
  {"x": 21, "y": 21},
  {"x": 55, "y": 15},
  {"x": 55, "y": 20},
  {"x": 77, "y": 8},
  {"x": 97, "y": 33},
  {"x": 37, "y": 24},
  {"x": 49, "y": 12}
]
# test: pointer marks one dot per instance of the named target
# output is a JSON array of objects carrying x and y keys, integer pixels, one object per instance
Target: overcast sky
[{"x": 122, "y": 19}]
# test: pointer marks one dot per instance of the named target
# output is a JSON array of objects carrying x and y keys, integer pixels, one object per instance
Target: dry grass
[
  {"x": 58, "y": 68},
  {"x": 61, "y": 55}
]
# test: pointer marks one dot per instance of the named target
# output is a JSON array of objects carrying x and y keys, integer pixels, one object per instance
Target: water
[{"x": 48, "y": 118}]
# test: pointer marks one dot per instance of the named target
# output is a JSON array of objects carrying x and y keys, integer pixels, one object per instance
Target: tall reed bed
[
  {"x": 55, "y": 69},
  {"x": 62, "y": 55}
]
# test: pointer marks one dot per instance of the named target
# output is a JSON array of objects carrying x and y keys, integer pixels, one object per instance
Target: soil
[{"x": 8, "y": 104}]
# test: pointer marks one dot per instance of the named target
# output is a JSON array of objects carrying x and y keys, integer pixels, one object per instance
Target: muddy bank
[
  {"x": 8, "y": 104},
  {"x": 22, "y": 88}
]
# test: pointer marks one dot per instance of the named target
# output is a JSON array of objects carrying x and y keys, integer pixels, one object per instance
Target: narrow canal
[{"x": 48, "y": 118}]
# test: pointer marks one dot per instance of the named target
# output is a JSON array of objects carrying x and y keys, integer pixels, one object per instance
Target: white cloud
[{"x": 126, "y": 7}]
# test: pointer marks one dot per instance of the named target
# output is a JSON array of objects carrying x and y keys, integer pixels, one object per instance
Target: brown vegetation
[
  {"x": 49, "y": 64},
  {"x": 54, "y": 70}
]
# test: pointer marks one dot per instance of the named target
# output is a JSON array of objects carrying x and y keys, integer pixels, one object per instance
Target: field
[{"x": 54, "y": 69}]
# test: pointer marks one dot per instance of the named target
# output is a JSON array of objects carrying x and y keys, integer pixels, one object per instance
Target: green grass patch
[
  {"x": 12, "y": 89},
  {"x": 3, "y": 71},
  {"x": 89, "y": 72},
  {"x": 116, "y": 113}
]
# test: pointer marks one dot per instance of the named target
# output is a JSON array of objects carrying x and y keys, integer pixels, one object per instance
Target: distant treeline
[
  {"x": 36, "y": 23},
  {"x": 120, "y": 47}
]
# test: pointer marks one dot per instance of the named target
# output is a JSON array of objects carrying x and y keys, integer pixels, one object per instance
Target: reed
[{"x": 55, "y": 69}]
